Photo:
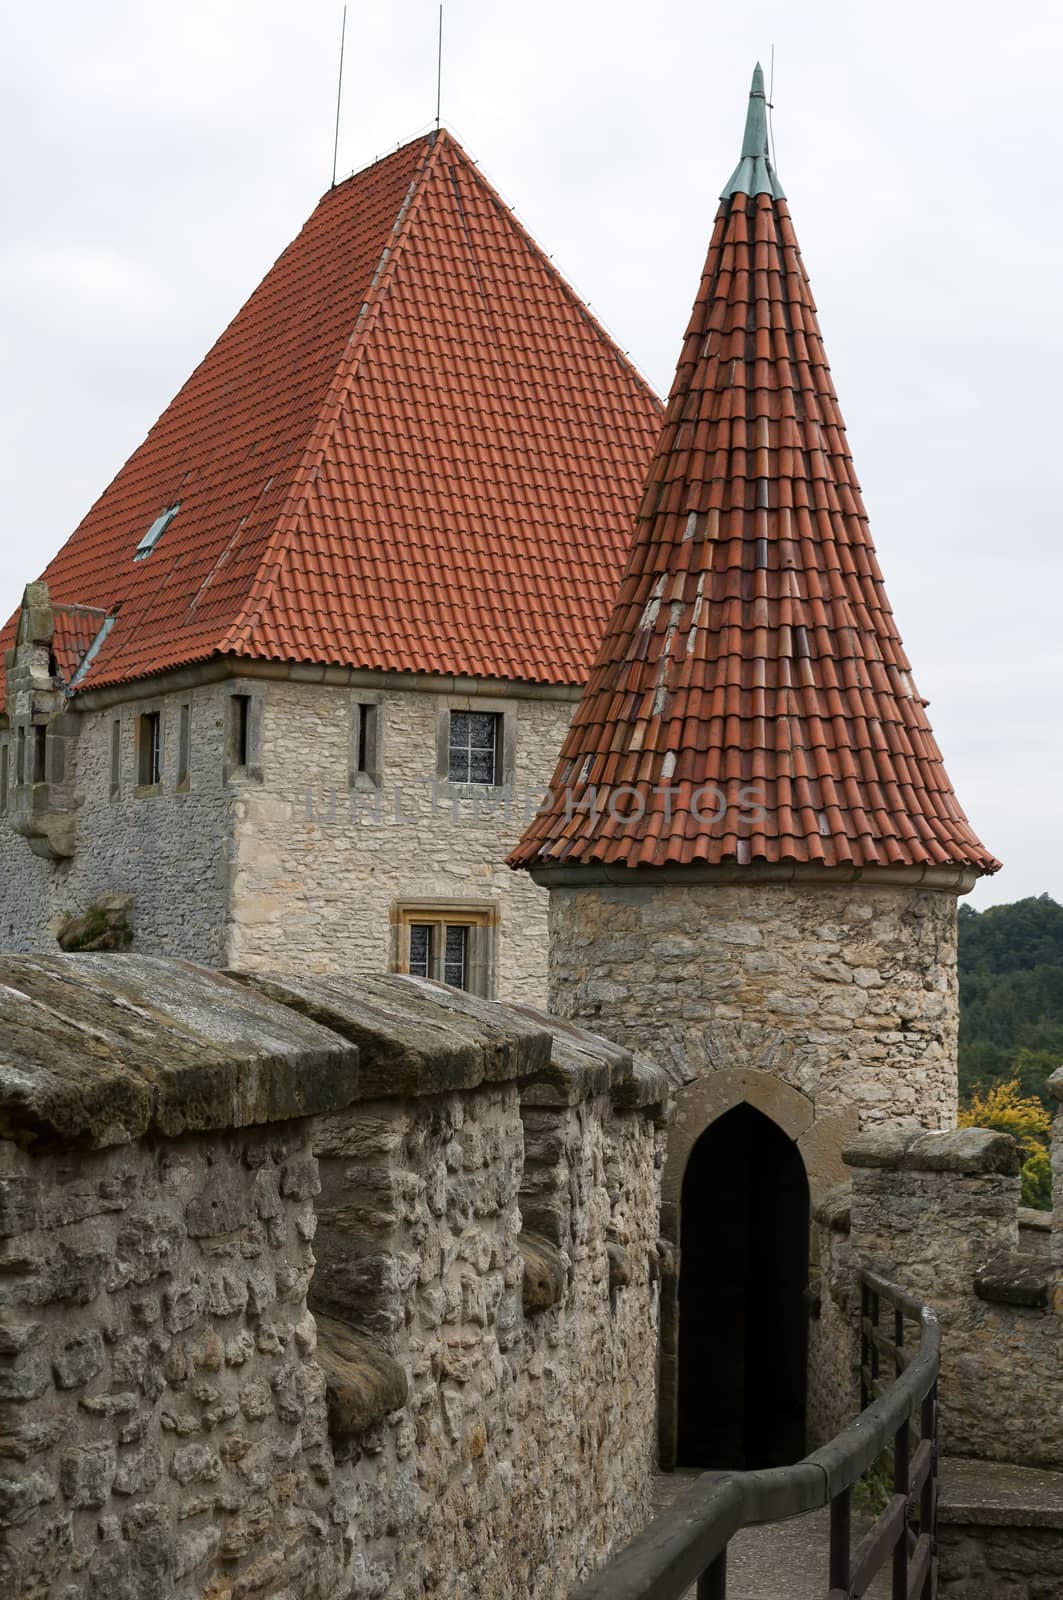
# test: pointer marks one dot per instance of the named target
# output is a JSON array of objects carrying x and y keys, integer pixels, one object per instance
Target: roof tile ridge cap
[
  {"x": 554, "y": 270},
  {"x": 342, "y": 381}
]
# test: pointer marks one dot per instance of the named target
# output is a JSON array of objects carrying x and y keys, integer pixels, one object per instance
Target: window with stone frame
[
  {"x": 239, "y": 729},
  {"x": 366, "y": 757},
  {"x": 448, "y": 943},
  {"x": 475, "y": 747}
]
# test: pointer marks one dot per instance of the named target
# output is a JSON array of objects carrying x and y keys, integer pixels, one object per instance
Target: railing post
[
  {"x": 901, "y": 1485},
  {"x": 928, "y": 1427},
  {"x": 867, "y": 1318},
  {"x": 898, "y": 1342},
  {"x": 712, "y": 1585},
  {"x": 840, "y": 1534}
]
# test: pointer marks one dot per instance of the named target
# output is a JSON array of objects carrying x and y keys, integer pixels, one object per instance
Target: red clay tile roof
[
  {"x": 752, "y": 646},
  {"x": 76, "y": 629},
  {"x": 414, "y": 449}
]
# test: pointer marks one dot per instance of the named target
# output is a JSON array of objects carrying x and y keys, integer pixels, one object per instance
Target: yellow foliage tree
[{"x": 1003, "y": 1107}]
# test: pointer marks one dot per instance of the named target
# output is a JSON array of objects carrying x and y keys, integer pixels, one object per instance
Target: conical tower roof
[{"x": 751, "y": 701}]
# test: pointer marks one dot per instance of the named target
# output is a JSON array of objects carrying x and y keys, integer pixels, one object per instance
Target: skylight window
[{"x": 155, "y": 533}]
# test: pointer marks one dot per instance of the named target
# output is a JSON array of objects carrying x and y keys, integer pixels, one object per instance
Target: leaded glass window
[
  {"x": 454, "y": 958},
  {"x": 421, "y": 949},
  {"x": 448, "y": 943},
  {"x": 474, "y": 747}
]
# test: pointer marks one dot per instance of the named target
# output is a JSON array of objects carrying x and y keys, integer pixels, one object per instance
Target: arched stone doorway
[{"x": 743, "y": 1271}]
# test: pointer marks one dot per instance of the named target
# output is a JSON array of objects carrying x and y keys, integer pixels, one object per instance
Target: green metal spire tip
[{"x": 754, "y": 173}]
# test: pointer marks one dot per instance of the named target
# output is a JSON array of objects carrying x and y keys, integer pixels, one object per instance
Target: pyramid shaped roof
[
  {"x": 413, "y": 450},
  {"x": 751, "y": 701}
]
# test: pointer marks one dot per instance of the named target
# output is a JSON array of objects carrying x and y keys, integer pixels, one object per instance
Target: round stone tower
[{"x": 752, "y": 847}]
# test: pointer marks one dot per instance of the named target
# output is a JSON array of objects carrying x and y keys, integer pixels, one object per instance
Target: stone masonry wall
[
  {"x": 833, "y": 1356},
  {"x": 938, "y": 1214},
  {"x": 848, "y": 993},
  {"x": 168, "y": 850},
  {"x": 285, "y": 865},
  {"x": 525, "y": 1450},
  {"x": 163, "y": 1413},
  {"x": 242, "y": 1354},
  {"x": 319, "y": 867}
]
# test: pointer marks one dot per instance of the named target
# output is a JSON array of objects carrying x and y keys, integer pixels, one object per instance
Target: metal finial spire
[
  {"x": 754, "y": 174},
  {"x": 439, "y": 67},
  {"x": 339, "y": 99}
]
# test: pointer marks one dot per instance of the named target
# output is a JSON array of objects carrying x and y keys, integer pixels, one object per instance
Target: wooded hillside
[{"x": 1011, "y": 994}]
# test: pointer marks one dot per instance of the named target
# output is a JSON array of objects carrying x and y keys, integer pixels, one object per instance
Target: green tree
[{"x": 1004, "y": 1107}]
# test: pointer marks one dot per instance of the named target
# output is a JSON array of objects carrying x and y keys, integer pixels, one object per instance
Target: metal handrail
[{"x": 688, "y": 1543}]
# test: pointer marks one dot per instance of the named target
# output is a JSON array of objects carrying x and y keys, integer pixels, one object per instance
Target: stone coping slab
[
  {"x": 1015, "y": 1278},
  {"x": 969, "y": 1151},
  {"x": 414, "y": 1036},
  {"x": 107, "y": 1048},
  {"x": 580, "y": 1066},
  {"x": 583, "y": 1064},
  {"x": 999, "y": 1494}
]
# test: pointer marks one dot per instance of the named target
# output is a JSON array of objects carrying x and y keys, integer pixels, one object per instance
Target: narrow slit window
[
  {"x": 365, "y": 749},
  {"x": 184, "y": 746},
  {"x": 155, "y": 533},
  {"x": 116, "y": 758},
  {"x": 4, "y": 759},
  {"x": 20, "y": 756},
  {"x": 240, "y": 741},
  {"x": 40, "y": 753},
  {"x": 149, "y": 750}
]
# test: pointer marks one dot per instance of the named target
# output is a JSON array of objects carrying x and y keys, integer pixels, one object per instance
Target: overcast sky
[{"x": 159, "y": 158}]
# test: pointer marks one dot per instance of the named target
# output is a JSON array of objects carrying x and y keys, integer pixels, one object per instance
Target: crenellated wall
[
  {"x": 273, "y": 1320},
  {"x": 939, "y": 1214}
]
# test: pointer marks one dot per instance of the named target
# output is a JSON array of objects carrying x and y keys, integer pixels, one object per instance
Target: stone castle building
[
  {"x": 320, "y": 1286},
  {"x": 298, "y": 680},
  {"x": 753, "y": 850}
]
